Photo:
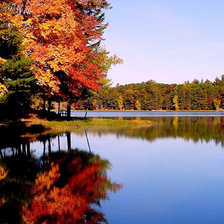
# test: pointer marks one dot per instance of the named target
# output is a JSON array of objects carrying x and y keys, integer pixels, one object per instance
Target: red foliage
[
  {"x": 71, "y": 202},
  {"x": 59, "y": 36}
]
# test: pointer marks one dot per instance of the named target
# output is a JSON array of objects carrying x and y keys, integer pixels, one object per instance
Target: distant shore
[
  {"x": 141, "y": 113},
  {"x": 147, "y": 110}
]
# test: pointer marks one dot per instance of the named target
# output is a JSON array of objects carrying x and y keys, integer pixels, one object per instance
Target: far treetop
[{"x": 197, "y": 95}]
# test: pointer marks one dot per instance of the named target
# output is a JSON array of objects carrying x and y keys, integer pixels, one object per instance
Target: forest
[{"x": 197, "y": 95}]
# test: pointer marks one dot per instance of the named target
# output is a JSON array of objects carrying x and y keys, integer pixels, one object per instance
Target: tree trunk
[
  {"x": 24, "y": 148},
  {"x": 68, "y": 111},
  {"x": 59, "y": 144},
  {"x": 59, "y": 107},
  {"x": 69, "y": 141},
  {"x": 23, "y": 7},
  {"x": 49, "y": 146},
  {"x": 86, "y": 114},
  {"x": 49, "y": 105},
  {"x": 28, "y": 150},
  {"x": 1, "y": 154},
  {"x": 19, "y": 149},
  {"x": 44, "y": 150},
  {"x": 88, "y": 141},
  {"x": 44, "y": 104}
]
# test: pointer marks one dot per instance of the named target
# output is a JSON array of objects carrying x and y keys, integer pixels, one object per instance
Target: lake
[
  {"x": 146, "y": 114},
  {"x": 171, "y": 172}
]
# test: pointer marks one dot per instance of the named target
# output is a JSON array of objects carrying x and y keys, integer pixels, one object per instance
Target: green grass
[
  {"x": 89, "y": 123},
  {"x": 35, "y": 127}
]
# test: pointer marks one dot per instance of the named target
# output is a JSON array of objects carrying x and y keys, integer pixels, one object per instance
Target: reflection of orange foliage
[
  {"x": 58, "y": 205},
  {"x": 87, "y": 180},
  {"x": 53, "y": 203},
  {"x": 46, "y": 180},
  {"x": 2, "y": 202},
  {"x": 3, "y": 173},
  {"x": 67, "y": 197},
  {"x": 222, "y": 124}
]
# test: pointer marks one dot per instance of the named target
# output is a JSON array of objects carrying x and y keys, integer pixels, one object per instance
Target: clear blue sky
[{"x": 168, "y": 41}]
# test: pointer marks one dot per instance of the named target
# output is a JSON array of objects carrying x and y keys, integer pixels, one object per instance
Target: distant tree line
[{"x": 197, "y": 95}]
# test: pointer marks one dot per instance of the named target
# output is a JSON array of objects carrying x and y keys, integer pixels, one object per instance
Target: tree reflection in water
[
  {"x": 188, "y": 128},
  {"x": 61, "y": 187},
  {"x": 67, "y": 186}
]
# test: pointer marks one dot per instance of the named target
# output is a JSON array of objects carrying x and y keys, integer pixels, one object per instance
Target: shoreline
[
  {"x": 148, "y": 111},
  {"x": 86, "y": 123},
  {"x": 37, "y": 125},
  {"x": 34, "y": 126}
]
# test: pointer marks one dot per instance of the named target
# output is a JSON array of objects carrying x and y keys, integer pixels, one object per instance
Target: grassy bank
[
  {"x": 30, "y": 129},
  {"x": 88, "y": 123},
  {"x": 34, "y": 129}
]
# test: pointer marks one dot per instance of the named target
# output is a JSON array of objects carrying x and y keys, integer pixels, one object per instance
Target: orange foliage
[
  {"x": 58, "y": 36},
  {"x": 3, "y": 173},
  {"x": 70, "y": 201}
]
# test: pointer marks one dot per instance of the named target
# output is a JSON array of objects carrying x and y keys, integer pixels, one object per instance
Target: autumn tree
[
  {"x": 63, "y": 39},
  {"x": 217, "y": 103},
  {"x": 175, "y": 101},
  {"x": 138, "y": 105},
  {"x": 94, "y": 104},
  {"x": 120, "y": 103}
]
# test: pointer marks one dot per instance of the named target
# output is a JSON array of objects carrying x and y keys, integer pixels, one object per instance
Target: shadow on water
[
  {"x": 12, "y": 132},
  {"x": 66, "y": 186}
]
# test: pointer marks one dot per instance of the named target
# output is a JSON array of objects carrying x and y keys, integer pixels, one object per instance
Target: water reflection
[
  {"x": 58, "y": 187},
  {"x": 188, "y": 128},
  {"x": 44, "y": 179}
]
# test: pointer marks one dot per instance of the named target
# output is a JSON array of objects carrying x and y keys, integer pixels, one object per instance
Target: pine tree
[{"x": 16, "y": 77}]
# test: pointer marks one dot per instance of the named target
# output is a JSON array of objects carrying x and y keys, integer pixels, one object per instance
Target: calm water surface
[
  {"x": 171, "y": 172},
  {"x": 146, "y": 114}
]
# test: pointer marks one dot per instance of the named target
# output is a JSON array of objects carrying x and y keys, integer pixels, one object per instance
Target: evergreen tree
[{"x": 15, "y": 70}]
